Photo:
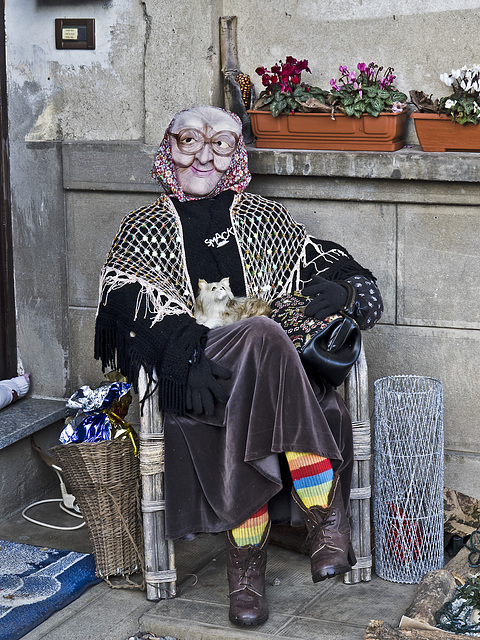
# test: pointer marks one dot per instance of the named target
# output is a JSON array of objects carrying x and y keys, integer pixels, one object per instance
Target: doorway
[{"x": 8, "y": 358}]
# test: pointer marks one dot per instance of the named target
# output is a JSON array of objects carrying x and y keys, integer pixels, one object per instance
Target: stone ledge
[
  {"x": 125, "y": 165},
  {"x": 408, "y": 163},
  {"x": 27, "y": 416}
]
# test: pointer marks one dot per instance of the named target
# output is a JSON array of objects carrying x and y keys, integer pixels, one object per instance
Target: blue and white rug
[{"x": 35, "y": 582}]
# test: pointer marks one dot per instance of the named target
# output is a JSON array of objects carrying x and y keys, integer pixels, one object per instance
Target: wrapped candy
[{"x": 99, "y": 414}]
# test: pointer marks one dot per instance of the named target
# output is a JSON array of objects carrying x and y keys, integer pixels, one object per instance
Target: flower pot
[
  {"x": 319, "y": 131},
  {"x": 437, "y": 132}
]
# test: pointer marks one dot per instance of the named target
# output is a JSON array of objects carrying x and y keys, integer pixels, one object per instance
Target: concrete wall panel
[
  {"x": 439, "y": 268},
  {"x": 85, "y": 369},
  {"x": 449, "y": 355},
  {"x": 182, "y": 60},
  {"x": 462, "y": 472},
  {"x": 366, "y": 230},
  {"x": 93, "y": 221},
  {"x": 39, "y": 247},
  {"x": 75, "y": 93}
]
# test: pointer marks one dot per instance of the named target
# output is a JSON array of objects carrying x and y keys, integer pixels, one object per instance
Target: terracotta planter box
[
  {"x": 437, "y": 132},
  {"x": 319, "y": 131}
]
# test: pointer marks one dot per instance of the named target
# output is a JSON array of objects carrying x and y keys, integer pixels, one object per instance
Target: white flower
[
  {"x": 450, "y": 103},
  {"x": 446, "y": 79},
  {"x": 456, "y": 73}
]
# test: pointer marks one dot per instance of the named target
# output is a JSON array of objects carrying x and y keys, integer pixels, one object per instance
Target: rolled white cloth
[{"x": 11, "y": 390}]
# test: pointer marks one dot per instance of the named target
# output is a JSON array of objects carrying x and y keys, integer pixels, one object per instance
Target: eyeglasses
[{"x": 222, "y": 143}]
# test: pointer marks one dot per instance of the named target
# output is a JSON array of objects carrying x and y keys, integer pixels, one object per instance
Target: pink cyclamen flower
[{"x": 361, "y": 66}]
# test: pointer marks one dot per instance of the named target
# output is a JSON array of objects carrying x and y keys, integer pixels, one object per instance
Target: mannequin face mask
[{"x": 203, "y": 141}]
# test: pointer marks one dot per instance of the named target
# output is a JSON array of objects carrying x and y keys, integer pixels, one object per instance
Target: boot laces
[
  {"x": 247, "y": 568},
  {"x": 321, "y": 527}
]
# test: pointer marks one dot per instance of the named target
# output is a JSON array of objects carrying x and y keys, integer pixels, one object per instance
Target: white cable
[
  {"x": 70, "y": 511},
  {"x": 51, "y": 526}
]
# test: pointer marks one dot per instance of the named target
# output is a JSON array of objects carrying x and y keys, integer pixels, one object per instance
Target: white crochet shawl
[{"x": 149, "y": 250}]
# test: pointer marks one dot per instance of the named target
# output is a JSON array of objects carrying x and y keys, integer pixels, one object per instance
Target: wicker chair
[{"x": 160, "y": 572}]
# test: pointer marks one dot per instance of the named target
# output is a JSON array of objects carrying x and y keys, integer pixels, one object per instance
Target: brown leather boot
[
  {"x": 246, "y": 581},
  {"x": 328, "y": 535}
]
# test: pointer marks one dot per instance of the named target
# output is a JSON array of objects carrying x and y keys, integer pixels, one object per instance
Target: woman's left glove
[
  {"x": 329, "y": 298},
  {"x": 203, "y": 389}
]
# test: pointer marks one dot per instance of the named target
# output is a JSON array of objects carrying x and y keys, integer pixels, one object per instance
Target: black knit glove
[
  {"x": 203, "y": 390},
  {"x": 329, "y": 298}
]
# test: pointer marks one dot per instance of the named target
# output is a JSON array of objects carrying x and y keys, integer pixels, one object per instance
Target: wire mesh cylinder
[{"x": 408, "y": 477}]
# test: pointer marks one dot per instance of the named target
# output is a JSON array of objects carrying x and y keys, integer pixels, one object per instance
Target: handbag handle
[
  {"x": 341, "y": 333},
  {"x": 349, "y": 306}
]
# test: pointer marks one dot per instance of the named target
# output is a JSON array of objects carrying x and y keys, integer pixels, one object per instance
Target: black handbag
[{"x": 328, "y": 348}]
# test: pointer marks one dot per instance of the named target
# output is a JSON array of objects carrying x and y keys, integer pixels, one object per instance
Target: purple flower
[{"x": 361, "y": 66}]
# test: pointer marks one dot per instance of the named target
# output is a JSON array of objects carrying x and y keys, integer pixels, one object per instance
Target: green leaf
[
  {"x": 349, "y": 110},
  {"x": 372, "y": 92},
  {"x": 382, "y": 93},
  {"x": 377, "y": 105},
  {"x": 398, "y": 96},
  {"x": 348, "y": 100},
  {"x": 274, "y": 109}
]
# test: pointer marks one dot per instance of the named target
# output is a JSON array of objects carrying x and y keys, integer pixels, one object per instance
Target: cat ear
[
  {"x": 225, "y": 281},
  {"x": 201, "y": 283}
]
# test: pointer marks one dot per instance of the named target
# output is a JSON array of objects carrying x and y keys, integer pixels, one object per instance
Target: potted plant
[
  {"x": 450, "y": 123},
  {"x": 362, "y": 111}
]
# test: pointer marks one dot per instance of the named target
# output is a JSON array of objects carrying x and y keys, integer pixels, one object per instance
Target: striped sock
[
  {"x": 251, "y": 531},
  {"x": 312, "y": 477}
]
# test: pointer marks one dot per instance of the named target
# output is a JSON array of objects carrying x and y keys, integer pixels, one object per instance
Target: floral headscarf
[{"x": 236, "y": 177}]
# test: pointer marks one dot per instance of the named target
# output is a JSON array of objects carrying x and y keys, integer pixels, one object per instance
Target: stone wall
[
  {"x": 413, "y": 221},
  {"x": 83, "y": 130}
]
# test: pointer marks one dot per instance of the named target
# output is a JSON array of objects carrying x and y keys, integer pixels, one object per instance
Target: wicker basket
[{"x": 105, "y": 479}]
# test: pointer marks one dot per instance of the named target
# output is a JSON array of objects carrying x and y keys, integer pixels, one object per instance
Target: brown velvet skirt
[{"x": 219, "y": 470}]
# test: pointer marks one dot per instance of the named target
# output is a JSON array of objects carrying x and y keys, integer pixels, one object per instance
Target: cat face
[{"x": 215, "y": 291}]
